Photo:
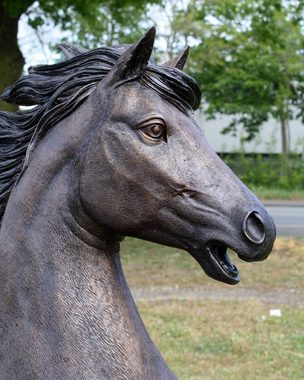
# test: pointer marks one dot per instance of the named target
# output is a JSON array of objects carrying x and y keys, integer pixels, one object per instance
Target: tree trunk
[
  {"x": 11, "y": 59},
  {"x": 285, "y": 132}
]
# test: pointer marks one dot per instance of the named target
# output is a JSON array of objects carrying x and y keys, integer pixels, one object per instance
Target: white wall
[{"x": 268, "y": 140}]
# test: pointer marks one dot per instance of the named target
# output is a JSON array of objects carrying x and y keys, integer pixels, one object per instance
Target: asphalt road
[{"x": 289, "y": 220}]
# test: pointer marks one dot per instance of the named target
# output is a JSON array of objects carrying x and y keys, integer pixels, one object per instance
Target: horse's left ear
[
  {"x": 179, "y": 61},
  {"x": 71, "y": 51},
  {"x": 135, "y": 59}
]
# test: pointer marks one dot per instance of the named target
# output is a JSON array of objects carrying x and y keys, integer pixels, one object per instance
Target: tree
[
  {"x": 93, "y": 22},
  {"x": 248, "y": 59}
]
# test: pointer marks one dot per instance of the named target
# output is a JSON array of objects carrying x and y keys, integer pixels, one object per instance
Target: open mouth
[{"x": 217, "y": 264}]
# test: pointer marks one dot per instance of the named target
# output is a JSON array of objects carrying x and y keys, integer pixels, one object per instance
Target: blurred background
[{"x": 248, "y": 58}]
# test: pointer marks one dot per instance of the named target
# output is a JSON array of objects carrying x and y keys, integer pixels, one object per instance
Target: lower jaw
[{"x": 217, "y": 265}]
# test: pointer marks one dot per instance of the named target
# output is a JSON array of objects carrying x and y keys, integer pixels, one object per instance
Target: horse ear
[
  {"x": 135, "y": 59},
  {"x": 71, "y": 51},
  {"x": 179, "y": 61}
]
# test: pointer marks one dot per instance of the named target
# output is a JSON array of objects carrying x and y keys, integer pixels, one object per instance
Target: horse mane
[{"x": 57, "y": 90}]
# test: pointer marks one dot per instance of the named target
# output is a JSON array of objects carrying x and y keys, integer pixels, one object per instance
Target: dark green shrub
[{"x": 270, "y": 171}]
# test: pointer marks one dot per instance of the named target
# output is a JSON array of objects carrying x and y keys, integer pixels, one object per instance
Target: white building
[{"x": 267, "y": 141}]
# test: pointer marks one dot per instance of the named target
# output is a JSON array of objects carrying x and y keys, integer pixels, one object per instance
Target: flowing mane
[{"x": 57, "y": 90}]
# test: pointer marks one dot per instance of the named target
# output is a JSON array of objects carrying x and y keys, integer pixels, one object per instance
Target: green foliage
[
  {"x": 96, "y": 23},
  {"x": 273, "y": 172},
  {"x": 248, "y": 58},
  {"x": 36, "y": 22},
  {"x": 92, "y": 22}
]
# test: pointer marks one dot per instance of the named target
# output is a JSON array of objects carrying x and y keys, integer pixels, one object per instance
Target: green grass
[
  {"x": 218, "y": 339},
  {"x": 234, "y": 340},
  {"x": 278, "y": 194},
  {"x": 156, "y": 265}
]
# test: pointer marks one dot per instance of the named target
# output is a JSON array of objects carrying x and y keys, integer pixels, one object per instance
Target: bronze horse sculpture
[{"x": 111, "y": 149}]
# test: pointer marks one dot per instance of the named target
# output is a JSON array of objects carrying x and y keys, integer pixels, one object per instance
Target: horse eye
[{"x": 155, "y": 132}]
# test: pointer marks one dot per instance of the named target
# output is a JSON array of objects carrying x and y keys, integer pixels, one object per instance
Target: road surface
[{"x": 289, "y": 220}]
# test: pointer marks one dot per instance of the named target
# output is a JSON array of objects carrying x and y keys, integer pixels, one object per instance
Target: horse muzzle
[{"x": 254, "y": 244}]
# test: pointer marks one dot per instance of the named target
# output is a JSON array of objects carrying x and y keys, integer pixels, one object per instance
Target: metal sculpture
[{"x": 110, "y": 150}]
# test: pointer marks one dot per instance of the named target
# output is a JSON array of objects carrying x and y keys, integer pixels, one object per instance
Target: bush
[{"x": 269, "y": 171}]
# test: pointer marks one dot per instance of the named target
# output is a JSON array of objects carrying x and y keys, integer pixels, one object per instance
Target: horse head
[{"x": 147, "y": 170}]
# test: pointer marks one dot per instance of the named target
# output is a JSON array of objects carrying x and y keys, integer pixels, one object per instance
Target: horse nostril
[{"x": 253, "y": 227}]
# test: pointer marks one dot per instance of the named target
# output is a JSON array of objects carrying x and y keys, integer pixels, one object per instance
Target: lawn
[
  {"x": 267, "y": 193},
  {"x": 222, "y": 339},
  {"x": 236, "y": 340},
  {"x": 149, "y": 265}
]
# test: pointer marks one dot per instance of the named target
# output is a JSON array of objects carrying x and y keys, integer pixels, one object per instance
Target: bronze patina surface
[{"x": 110, "y": 150}]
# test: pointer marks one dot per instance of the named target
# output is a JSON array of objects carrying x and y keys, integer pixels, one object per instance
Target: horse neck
[{"x": 65, "y": 290}]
